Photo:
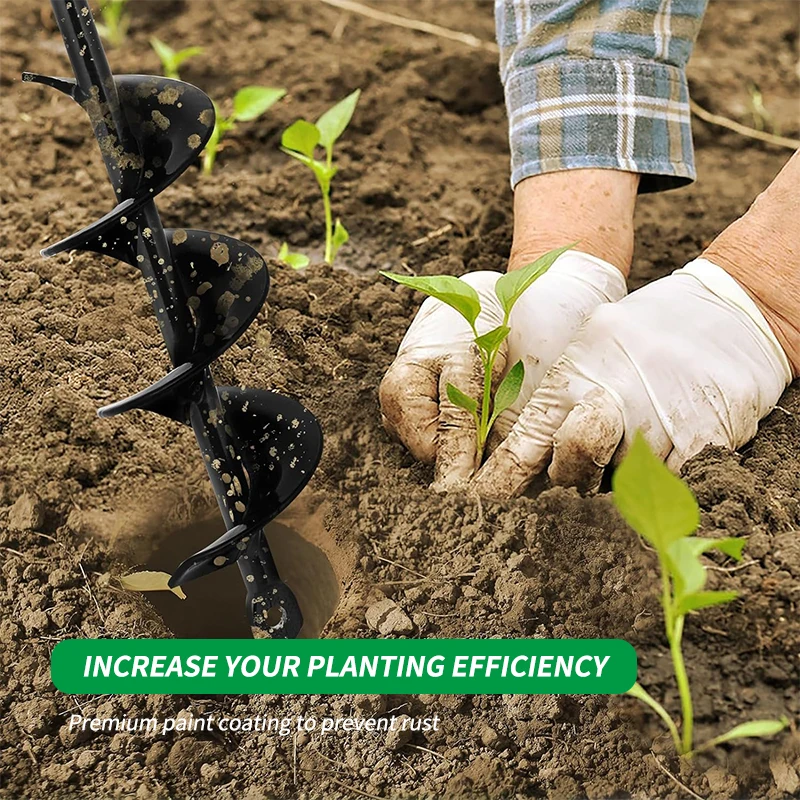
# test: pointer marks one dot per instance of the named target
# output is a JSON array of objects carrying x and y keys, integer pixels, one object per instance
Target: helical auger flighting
[{"x": 260, "y": 448}]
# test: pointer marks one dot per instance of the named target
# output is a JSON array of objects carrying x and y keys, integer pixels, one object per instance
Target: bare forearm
[
  {"x": 762, "y": 251},
  {"x": 593, "y": 207}
]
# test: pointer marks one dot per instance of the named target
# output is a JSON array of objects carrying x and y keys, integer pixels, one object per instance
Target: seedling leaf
[
  {"x": 662, "y": 509},
  {"x": 332, "y": 123},
  {"x": 731, "y": 545},
  {"x": 150, "y": 581},
  {"x": 685, "y": 566},
  {"x": 186, "y": 53},
  {"x": 755, "y": 728},
  {"x": 509, "y": 287},
  {"x": 301, "y": 136},
  {"x": 300, "y": 140},
  {"x": 248, "y": 103},
  {"x": 294, "y": 260},
  {"x": 212, "y": 145},
  {"x": 489, "y": 342},
  {"x": 322, "y": 172},
  {"x": 340, "y": 237},
  {"x": 163, "y": 50},
  {"x": 116, "y": 21},
  {"x": 698, "y": 600},
  {"x": 298, "y": 156},
  {"x": 455, "y": 293},
  {"x": 251, "y": 102},
  {"x": 170, "y": 59},
  {"x": 458, "y": 398},
  {"x": 509, "y": 389},
  {"x": 297, "y": 260},
  {"x": 640, "y": 694},
  {"x": 658, "y": 505}
]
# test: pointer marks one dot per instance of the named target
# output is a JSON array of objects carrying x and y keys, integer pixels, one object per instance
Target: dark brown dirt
[{"x": 427, "y": 149}]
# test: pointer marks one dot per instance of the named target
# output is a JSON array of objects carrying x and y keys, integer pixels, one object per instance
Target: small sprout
[
  {"x": 116, "y": 21},
  {"x": 249, "y": 103},
  {"x": 763, "y": 120},
  {"x": 463, "y": 298},
  {"x": 301, "y": 139},
  {"x": 150, "y": 581},
  {"x": 171, "y": 60},
  {"x": 755, "y": 729},
  {"x": 661, "y": 508},
  {"x": 340, "y": 237},
  {"x": 294, "y": 260}
]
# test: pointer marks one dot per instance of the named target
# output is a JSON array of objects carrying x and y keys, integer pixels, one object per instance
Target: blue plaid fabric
[{"x": 599, "y": 83}]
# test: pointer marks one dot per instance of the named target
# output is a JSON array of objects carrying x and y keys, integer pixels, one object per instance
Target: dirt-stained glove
[
  {"x": 438, "y": 349},
  {"x": 689, "y": 360}
]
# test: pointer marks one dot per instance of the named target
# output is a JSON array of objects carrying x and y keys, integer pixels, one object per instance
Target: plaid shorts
[{"x": 599, "y": 83}]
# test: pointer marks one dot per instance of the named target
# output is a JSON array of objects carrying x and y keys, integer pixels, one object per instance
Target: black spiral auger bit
[{"x": 260, "y": 448}]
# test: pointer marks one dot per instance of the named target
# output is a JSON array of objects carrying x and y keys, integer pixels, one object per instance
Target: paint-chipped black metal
[{"x": 260, "y": 448}]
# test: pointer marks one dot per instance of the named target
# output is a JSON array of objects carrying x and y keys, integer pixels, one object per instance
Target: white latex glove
[
  {"x": 438, "y": 349},
  {"x": 689, "y": 360}
]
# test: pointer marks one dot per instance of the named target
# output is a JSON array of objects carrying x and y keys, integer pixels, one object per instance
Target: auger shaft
[
  {"x": 259, "y": 448},
  {"x": 96, "y": 84}
]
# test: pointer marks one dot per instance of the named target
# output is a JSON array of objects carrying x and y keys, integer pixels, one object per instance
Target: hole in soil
[{"x": 215, "y": 604}]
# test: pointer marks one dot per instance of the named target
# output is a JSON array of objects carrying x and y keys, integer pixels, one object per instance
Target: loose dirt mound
[{"x": 426, "y": 151}]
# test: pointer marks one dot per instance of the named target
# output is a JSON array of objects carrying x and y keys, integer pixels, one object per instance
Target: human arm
[{"x": 696, "y": 358}]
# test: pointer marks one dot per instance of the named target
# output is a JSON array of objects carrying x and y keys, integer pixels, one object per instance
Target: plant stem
[
  {"x": 483, "y": 432},
  {"x": 674, "y": 628},
  {"x": 221, "y": 126},
  {"x": 326, "y": 202},
  {"x": 711, "y": 743},
  {"x": 115, "y": 31},
  {"x": 640, "y": 694},
  {"x": 682, "y": 679},
  {"x": 666, "y": 598},
  {"x": 486, "y": 420}
]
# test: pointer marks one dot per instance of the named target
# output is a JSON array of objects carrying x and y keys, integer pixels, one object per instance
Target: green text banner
[{"x": 343, "y": 666}]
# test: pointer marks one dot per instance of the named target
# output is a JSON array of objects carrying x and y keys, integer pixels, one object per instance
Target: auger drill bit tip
[{"x": 260, "y": 448}]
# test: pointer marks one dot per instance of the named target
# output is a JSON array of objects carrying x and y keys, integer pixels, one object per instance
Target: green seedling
[
  {"x": 171, "y": 60},
  {"x": 294, "y": 260},
  {"x": 300, "y": 141},
  {"x": 249, "y": 103},
  {"x": 463, "y": 298},
  {"x": 115, "y": 21},
  {"x": 661, "y": 508},
  {"x": 763, "y": 120}
]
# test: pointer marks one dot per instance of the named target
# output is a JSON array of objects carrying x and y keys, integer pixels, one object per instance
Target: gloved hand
[
  {"x": 438, "y": 349},
  {"x": 689, "y": 360}
]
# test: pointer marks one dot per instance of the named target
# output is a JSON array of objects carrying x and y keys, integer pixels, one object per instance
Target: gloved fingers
[
  {"x": 678, "y": 456},
  {"x": 456, "y": 448},
  {"x": 409, "y": 392},
  {"x": 586, "y": 441},
  {"x": 409, "y": 400},
  {"x": 528, "y": 446},
  {"x": 676, "y": 460},
  {"x": 546, "y": 318}
]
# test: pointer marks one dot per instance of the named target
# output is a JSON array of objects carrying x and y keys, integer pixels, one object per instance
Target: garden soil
[{"x": 422, "y": 187}]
